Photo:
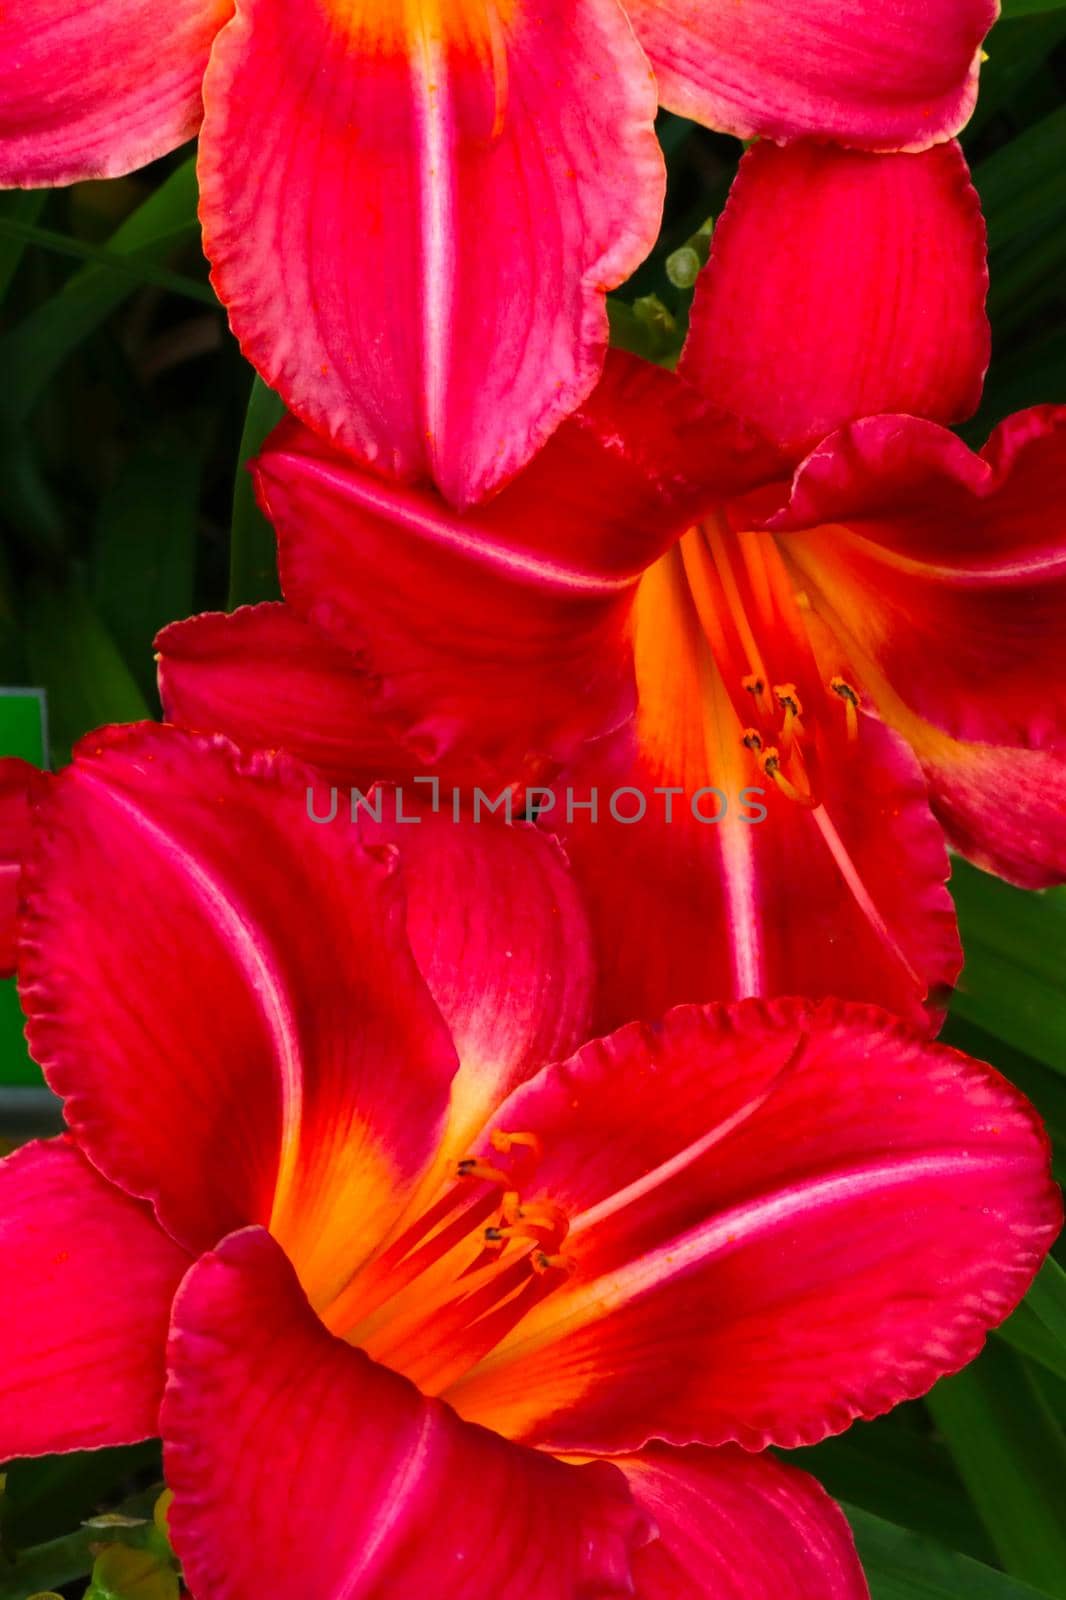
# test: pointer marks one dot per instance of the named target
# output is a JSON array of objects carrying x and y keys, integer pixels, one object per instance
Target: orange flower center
[
  {"x": 395, "y": 26},
  {"x": 727, "y": 603},
  {"x": 450, "y": 1284}
]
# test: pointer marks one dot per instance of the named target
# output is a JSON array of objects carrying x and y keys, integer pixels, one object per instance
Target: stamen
[
  {"x": 461, "y": 1285},
  {"x": 718, "y": 546},
  {"x": 543, "y": 1263},
  {"x": 517, "y": 1230},
  {"x": 770, "y": 762},
  {"x": 751, "y": 739},
  {"x": 841, "y": 687},
  {"x": 472, "y": 1167},
  {"x": 788, "y": 699},
  {"x": 505, "y": 1142},
  {"x": 549, "y": 1218},
  {"x": 754, "y": 685},
  {"x": 545, "y": 1224},
  {"x": 500, "y": 73}
]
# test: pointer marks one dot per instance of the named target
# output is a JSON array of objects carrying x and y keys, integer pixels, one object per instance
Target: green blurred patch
[{"x": 22, "y": 733}]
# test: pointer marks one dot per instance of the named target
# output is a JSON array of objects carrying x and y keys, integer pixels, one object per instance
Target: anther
[
  {"x": 505, "y": 1142},
  {"x": 788, "y": 699},
  {"x": 543, "y": 1263},
  {"x": 841, "y": 687},
  {"x": 770, "y": 762},
  {"x": 546, "y": 1217},
  {"x": 751, "y": 738},
  {"x": 546, "y": 1224},
  {"x": 472, "y": 1167},
  {"x": 539, "y": 1233},
  {"x": 753, "y": 684}
]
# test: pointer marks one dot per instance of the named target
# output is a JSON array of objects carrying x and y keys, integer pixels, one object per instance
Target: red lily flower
[
  {"x": 414, "y": 207},
  {"x": 859, "y": 618},
  {"x": 419, "y": 1307}
]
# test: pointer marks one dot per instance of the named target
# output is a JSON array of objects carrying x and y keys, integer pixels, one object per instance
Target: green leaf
[
  {"x": 1038, "y": 1327},
  {"x": 16, "y": 1064},
  {"x": 1018, "y": 49},
  {"x": 124, "y": 1574},
  {"x": 23, "y": 713},
  {"x": 1018, "y": 180},
  {"x": 1025, "y": 1332},
  {"x": 1011, "y": 984},
  {"x": 253, "y": 560},
  {"x": 140, "y": 268},
  {"x": 18, "y": 208},
  {"x": 47, "y": 1566},
  {"x": 144, "y": 553},
  {"x": 1030, "y": 8},
  {"x": 901, "y": 1473},
  {"x": 34, "y": 349},
  {"x": 1045, "y": 1087},
  {"x": 1023, "y": 193},
  {"x": 44, "y": 1496},
  {"x": 72, "y": 653},
  {"x": 1047, "y": 1298},
  {"x": 646, "y": 328},
  {"x": 901, "y": 1565},
  {"x": 1012, "y": 1457},
  {"x": 22, "y": 733}
]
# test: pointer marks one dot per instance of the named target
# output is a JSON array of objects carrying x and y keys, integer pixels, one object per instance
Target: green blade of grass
[
  {"x": 1026, "y": 1333},
  {"x": 35, "y": 348},
  {"x": 1047, "y": 1299},
  {"x": 1011, "y": 1455},
  {"x": 902, "y": 1565},
  {"x": 902, "y": 1474},
  {"x": 74, "y": 656},
  {"x": 1012, "y": 983},
  {"x": 144, "y": 548},
  {"x": 1031, "y": 8},
  {"x": 141, "y": 268},
  {"x": 19, "y": 208},
  {"x": 253, "y": 560}
]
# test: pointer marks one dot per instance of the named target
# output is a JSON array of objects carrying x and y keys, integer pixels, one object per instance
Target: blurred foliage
[{"x": 124, "y": 407}]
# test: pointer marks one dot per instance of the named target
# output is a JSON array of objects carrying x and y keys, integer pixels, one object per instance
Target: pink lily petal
[
  {"x": 499, "y": 637},
  {"x": 1000, "y": 806},
  {"x": 943, "y": 570},
  {"x": 250, "y": 1039},
  {"x": 95, "y": 88},
  {"x": 933, "y": 582},
  {"x": 755, "y": 1256},
  {"x": 412, "y": 223},
  {"x": 268, "y": 680},
  {"x": 500, "y": 935},
  {"x": 300, "y": 1467},
  {"x": 841, "y": 285},
  {"x": 89, "y": 1278},
  {"x": 494, "y": 919},
  {"x": 734, "y": 1526},
  {"x": 868, "y": 73},
  {"x": 19, "y": 783}
]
